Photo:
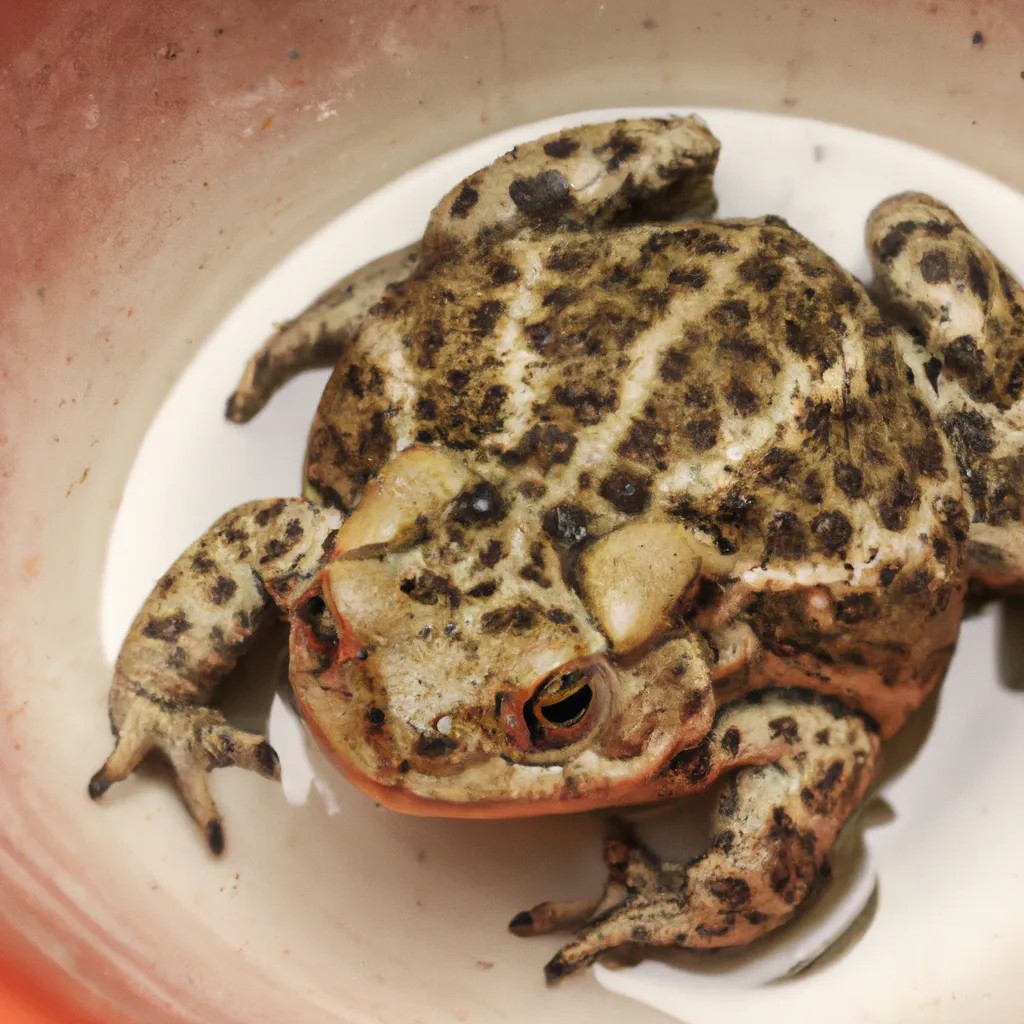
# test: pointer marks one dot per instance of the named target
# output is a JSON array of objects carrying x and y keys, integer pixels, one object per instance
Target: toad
[{"x": 608, "y": 501}]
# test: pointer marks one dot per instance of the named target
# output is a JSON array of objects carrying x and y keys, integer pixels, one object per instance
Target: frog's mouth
[{"x": 582, "y": 735}]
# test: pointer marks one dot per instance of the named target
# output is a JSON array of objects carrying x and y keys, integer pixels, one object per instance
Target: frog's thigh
[
  {"x": 592, "y": 176},
  {"x": 969, "y": 310},
  {"x": 775, "y": 822}
]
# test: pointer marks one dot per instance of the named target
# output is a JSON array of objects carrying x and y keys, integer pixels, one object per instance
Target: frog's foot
[
  {"x": 773, "y": 828},
  {"x": 194, "y": 740},
  {"x": 316, "y": 338}
]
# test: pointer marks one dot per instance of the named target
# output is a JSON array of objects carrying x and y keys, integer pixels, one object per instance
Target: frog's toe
[
  {"x": 194, "y": 740},
  {"x": 552, "y": 916}
]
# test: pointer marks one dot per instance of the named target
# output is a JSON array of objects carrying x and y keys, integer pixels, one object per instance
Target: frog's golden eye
[{"x": 562, "y": 707}]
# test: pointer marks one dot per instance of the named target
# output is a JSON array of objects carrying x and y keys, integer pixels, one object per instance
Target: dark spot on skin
[
  {"x": 693, "y": 278},
  {"x": 785, "y": 727},
  {"x": 977, "y": 278},
  {"x": 429, "y": 588},
  {"x": 558, "y": 617},
  {"x": 545, "y": 445},
  {"x": 731, "y": 741},
  {"x": 486, "y": 315},
  {"x": 517, "y": 618},
  {"x": 849, "y": 479},
  {"x": 561, "y": 148},
  {"x": 566, "y": 524},
  {"x": 362, "y": 654},
  {"x": 785, "y": 538},
  {"x": 978, "y": 38},
  {"x": 626, "y": 492},
  {"x": 234, "y": 535},
  {"x": 833, "y": 529},
  {"x": 732, "y": 313},
  {"x": 934, "y": 267},
  {"x": 464, "y": 202},
  {"x": 264, "y": 516},
  {"x": 484, "y": 589},
  {"x": 892, "y": 244},
  {"x": 542, "y": 195},
  {"x": 733, "y": 892},
  {"x": 755, "y": 917},
  {"x": 168, "y": 627},
  {"x": 703, "y": 432},
  {"x": 694, "y": 763},
  {"x": 932, "y": 369},
  {"x": 202, "y": 564},
  {"x": 313, "y": 612},
  {"x": 812, "y": 489},
  {"x": 823, "y": 736},
  {"x": 435, "y": 746},
  {"x": 376, "y": 716},
  {"x": 763, "y": 273},
  {"x": 831, "y": 778},
  {"x": 971, "y": 430},
  {"x": 223, "y": 590},
  {"x": 294, "y": 530},
  {"x": 742, "y": 399},
  {"x": 622, "y": 148},
  {"x": 708, "y": 933},
  {"x": 492, "y": 554},
  {"x": 723, "y": 841},
  {"x": 481, "y": 505},
  {"x": 807, "y": 797},
  {"x": 903, "y": 497},
  {"x": 504, "y": 273},
  {"x": 403, "y": 767},
  {"x": 696, "y": 701}
]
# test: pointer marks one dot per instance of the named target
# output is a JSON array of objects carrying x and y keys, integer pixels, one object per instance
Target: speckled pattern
[{"x": 582, "y": 384}]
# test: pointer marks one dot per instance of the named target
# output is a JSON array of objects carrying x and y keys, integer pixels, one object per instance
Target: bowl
[{"x": 158, "y": 163}]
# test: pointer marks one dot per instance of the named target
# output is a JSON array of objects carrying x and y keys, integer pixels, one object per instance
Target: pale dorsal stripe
[{"x": 596, "y": 445}]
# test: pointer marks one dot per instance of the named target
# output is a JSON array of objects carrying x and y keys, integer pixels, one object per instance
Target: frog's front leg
[
  {"x": 318, "y": 336},
  {"x": 189, "y": 634},
  {"x": 968, "y": 355},
  {"x": 802, "y": 770},
  {"x": 583, "y": 178}
]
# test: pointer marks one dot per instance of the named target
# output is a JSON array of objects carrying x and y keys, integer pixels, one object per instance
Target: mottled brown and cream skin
[{"x": 605, "y": 501}]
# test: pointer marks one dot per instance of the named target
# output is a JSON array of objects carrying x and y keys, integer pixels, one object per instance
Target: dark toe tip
[
  {"x": 522, "y": 923},
  {"x": 215, "y": 837},
  {"x": 268, "y": 760},
  {"x": 557, "y": 968},
  {"x": 98, "y": 785}
]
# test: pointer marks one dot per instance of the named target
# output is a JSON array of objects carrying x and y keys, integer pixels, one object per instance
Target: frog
[{"x": 608, "y": 501}]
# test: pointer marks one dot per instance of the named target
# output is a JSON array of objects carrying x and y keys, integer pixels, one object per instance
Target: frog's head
[{"x": 453, "y": 671}]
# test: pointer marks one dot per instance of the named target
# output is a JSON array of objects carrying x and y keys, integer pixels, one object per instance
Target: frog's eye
[{"x": 563, "y": 706}]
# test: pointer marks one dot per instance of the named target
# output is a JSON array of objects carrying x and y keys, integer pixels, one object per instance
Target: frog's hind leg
[
  {"x": 316, "y": 338},
  {"x": 965, "y": 311},
  {"x": 593, "y": 176},
  {"x": 803, "y": 768},
  {"x": 189, "y": 634}
]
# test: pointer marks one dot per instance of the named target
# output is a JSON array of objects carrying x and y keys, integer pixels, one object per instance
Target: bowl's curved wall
[{"x": 154, "y": 161}]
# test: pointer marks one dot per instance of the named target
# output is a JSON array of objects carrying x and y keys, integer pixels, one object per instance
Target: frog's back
[{"x": 729, "y": 372}]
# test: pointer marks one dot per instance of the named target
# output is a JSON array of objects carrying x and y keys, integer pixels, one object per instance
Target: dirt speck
[{"x": 978, "y": 38}]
